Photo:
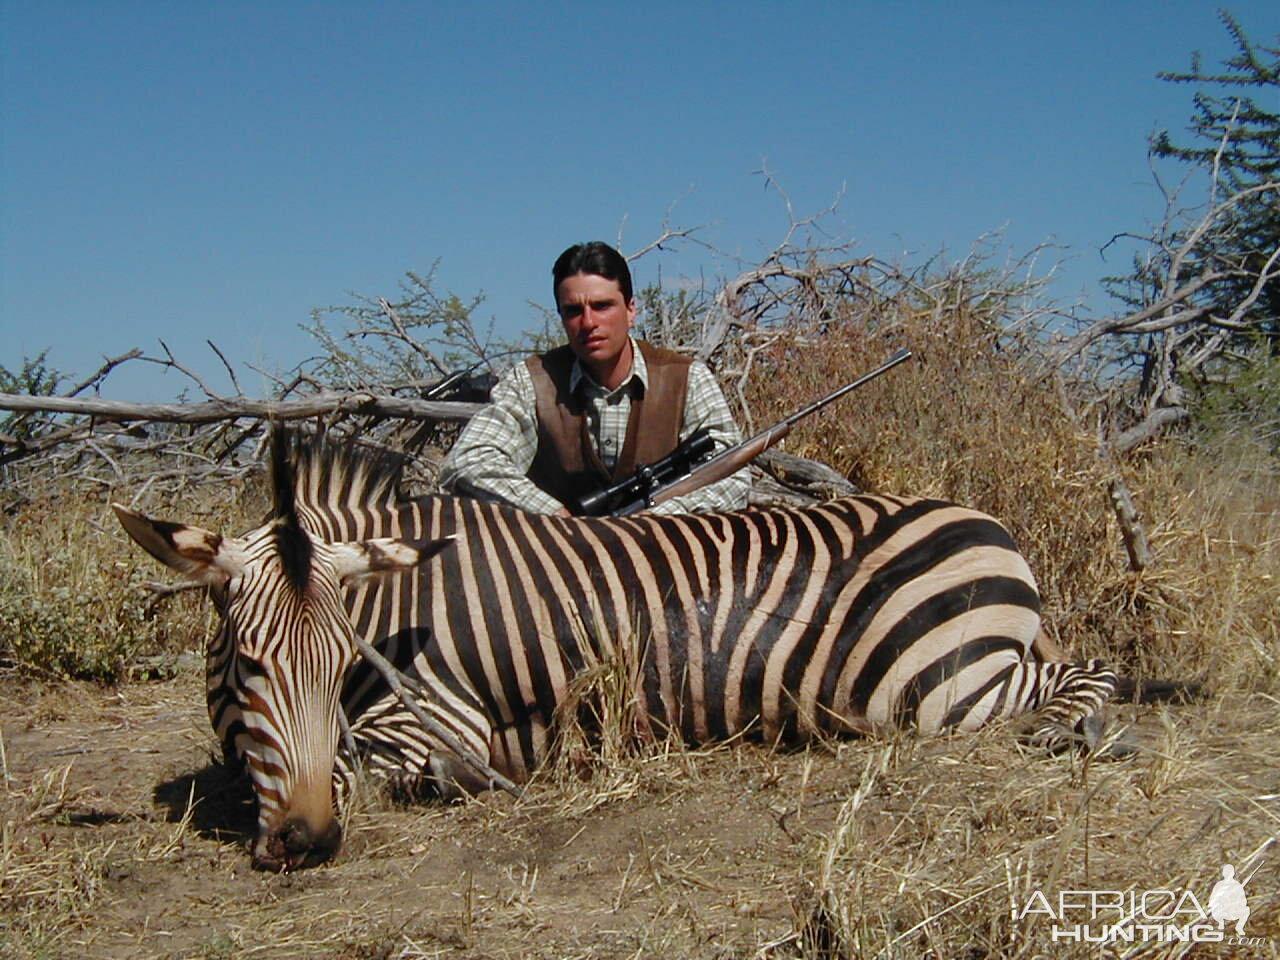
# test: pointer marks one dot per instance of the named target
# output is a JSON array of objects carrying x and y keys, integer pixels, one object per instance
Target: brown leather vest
[{"x": 567, "y": 465}]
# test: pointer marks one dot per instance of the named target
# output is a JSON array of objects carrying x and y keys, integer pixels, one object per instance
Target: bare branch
[
  {"x": 403, "y": 336},
  {"x": 1131, "y": 527},
  {"x": 668, "y": 236},
  {"x": 401, "y": 685},
  {"x": 171, "y": 361},
  {"x": 230, "y": 370},
  {"x": 1151, "y": 426},
  {"x": 232, "y": 408},
  {"x": 1137, "y": 322},
  {"x": 101, "y": 373},
  {"x": 1270, "y": 270}
]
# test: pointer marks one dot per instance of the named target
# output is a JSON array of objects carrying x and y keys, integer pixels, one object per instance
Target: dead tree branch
[
  {"x": 101, "y": 373},
  {"x": 409, "y": 691},
  {"x": 1193, "y": 320},
  {"x": 234, "y": 408}
]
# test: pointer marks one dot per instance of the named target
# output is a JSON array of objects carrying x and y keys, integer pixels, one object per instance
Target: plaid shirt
[{"x": 492, "y": 457}]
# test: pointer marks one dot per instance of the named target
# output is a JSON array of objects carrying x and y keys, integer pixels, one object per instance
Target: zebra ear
[
  {"x": 198, "y": 554},
  {"x": 369, "y": 558}
]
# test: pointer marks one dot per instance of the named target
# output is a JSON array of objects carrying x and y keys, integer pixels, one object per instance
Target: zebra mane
[
  {"x": 292, "y": 545},
  {"x": 315, "y": 473},
  {"x": 284, "y": 503}
]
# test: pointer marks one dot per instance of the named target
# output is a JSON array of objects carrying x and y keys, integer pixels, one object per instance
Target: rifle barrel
[
  {"x": 735, "y": 458},
  {"x": 893, "y": 361}
]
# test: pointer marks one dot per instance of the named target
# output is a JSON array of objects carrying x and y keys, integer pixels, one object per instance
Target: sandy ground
[{"x": 123, "y": 837}]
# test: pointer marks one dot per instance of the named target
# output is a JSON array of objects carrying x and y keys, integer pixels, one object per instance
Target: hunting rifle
[{"x": 682, "y": 471}]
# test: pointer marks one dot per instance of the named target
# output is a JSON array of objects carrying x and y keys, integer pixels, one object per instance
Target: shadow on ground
[{"x": 219, "y": 799}]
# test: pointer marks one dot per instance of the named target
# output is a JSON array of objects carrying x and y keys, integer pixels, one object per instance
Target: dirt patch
[{"x": 124, "y": 836}]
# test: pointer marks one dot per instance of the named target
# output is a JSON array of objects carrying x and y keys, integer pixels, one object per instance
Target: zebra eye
[{"x": 249, "y": 667}]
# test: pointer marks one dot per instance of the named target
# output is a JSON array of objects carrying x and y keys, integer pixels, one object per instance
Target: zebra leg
[
  {"x": 1044, "y": 648},
  {"x": 1066, "y": 700},
  {"x": 394, "y": 748}
]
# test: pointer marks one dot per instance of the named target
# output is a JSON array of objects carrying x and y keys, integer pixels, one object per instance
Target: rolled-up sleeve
[
  {"x": 706, "y": 407},
  {"x": 492, "y": 456}
]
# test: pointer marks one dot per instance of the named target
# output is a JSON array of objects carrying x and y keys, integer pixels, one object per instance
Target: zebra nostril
[
  {"x": 296, "y": 837},
  {"x": 299, "y": 845},
  {"x": 269, "y": 855}
]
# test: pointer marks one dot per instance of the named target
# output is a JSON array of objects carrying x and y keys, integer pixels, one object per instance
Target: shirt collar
[{"x": 639, "y": 374}]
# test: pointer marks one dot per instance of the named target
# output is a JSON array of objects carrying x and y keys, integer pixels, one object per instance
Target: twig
[
  {"x": 348, "y": 739},
  {"x": 397, "y": 681},
  {"x": 230, "y": 370},
  {"x": 399, "y": 332},
  {"x": 98, "y": 375},
  {"x": 171, "y": 361}
]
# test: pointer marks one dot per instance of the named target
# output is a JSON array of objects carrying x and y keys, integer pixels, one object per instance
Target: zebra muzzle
[{"x": 296, "y": 846}]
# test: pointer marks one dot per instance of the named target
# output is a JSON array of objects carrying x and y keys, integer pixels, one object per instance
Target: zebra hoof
[
  {"x": 1091, "y": 729},
  {"x": 1087, "y": 737},
  {"x": 1052, "y": 738},
  {"x": 1119, "y": 749}
]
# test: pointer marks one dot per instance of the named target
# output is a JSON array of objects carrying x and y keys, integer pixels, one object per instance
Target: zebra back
[{"x": 865, "y": 613}]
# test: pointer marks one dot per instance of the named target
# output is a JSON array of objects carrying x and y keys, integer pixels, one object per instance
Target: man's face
[{"x": 597, "y": 320}]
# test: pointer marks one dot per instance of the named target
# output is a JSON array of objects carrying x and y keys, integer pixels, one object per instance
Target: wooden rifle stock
[
  {"x": 730, "y": 461},
  {"x": 724, "y": 464}
]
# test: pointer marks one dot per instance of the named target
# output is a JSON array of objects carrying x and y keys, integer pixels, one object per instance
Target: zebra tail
[{"x": 1131, "y": 690}]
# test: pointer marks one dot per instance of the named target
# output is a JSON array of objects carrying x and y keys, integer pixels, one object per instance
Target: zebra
[{"x": 862, "y": 615}]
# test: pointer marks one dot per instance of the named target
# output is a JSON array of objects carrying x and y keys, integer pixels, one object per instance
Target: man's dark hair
[{"x": 597, "y": 258}]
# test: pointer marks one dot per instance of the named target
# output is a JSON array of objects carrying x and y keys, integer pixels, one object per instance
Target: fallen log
[{"x": 233, "y": 408}]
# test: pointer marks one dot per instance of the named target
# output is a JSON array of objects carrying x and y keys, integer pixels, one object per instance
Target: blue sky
[{"x": 189, "y": 171}]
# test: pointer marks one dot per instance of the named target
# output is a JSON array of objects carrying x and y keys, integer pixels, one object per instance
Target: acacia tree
[
  {"x": 1233, "y": 132},
  {"x": 1202, "y": 300}
]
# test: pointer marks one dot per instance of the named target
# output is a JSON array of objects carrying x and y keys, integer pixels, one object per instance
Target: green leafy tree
[
  {"x": 414, "y": 342},
  {"x": 1202, "y": 298},
  {"x": 1239, "y": 138},
  {"x": 35, "y": 378}
]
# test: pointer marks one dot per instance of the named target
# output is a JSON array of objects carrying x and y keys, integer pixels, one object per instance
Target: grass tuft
[{"x": 630, "y": 844}]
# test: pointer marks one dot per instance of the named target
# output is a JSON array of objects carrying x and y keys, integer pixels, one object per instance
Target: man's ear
[
  {"x": 361, "y": 559},
  {"x": 197, "y": 554}
]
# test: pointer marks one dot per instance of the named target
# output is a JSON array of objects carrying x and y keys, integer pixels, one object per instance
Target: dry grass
[
  {"x": 72, "y": 603},
  {"x": 963, "y": 421},
  {"x": 905, "y": 848},
  {"x": 72, "y": 832},
  {"x": 929, "y": 858},
  {"x": 121, "y": 837}
]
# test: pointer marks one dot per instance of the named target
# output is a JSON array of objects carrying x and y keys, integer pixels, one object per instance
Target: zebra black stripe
[{"x": 860, "y": 614}]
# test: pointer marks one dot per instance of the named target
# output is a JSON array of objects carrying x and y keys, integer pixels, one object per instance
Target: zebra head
[{"x": 280, "y": 656}]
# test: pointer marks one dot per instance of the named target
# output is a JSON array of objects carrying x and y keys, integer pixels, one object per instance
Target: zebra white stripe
[
  {"x": 277, "y": 663},
  {"x": 859, "y": 615},
  {"x": 865, "y": 614}
]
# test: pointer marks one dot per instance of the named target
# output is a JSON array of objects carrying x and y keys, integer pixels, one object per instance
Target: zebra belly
[{"x": 859, "y": 615}]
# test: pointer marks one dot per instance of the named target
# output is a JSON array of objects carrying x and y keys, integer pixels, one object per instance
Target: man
[{"x": 585, "y": 415}]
